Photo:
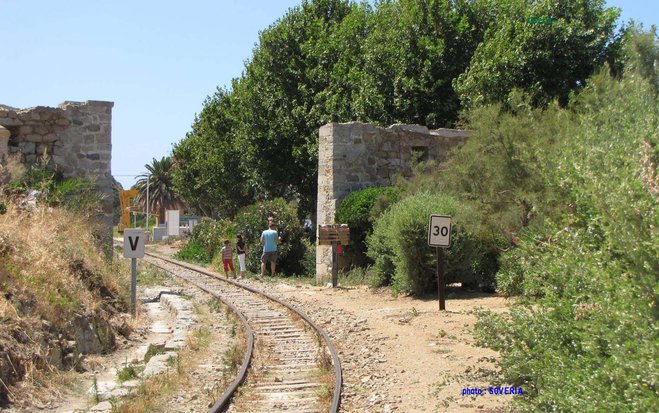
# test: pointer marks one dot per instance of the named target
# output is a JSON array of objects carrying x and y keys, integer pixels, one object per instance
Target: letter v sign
[
  {"x": 134, "y": 240},
  {"x": 133, "y": 245}
]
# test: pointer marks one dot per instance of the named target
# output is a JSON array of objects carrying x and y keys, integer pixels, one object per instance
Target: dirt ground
[
  {"x": 399, "y": 354},
  {"x": 403, "y": 354}
]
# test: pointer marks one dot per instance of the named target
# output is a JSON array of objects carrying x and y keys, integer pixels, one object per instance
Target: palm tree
[{"x": 161, "y": 188}]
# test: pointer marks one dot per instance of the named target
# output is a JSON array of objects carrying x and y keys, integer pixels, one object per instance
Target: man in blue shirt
[{"x": 269, "y": 239}]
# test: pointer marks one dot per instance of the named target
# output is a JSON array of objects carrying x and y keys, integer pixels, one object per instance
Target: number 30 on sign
[{"x": 439, "y": 231}]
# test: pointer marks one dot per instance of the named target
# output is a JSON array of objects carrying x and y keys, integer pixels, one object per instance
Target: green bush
[
  {"x": 583, "y": 336},
  {"x": 402, "y": 257},
  {"x": 309, "y": 259},
  {"x": 356, "y": 210},
  {"x": 192, "y": 251},
  {"x": 252, "y": 220},
  {"x": 211, "y": 234},
  {"x": 75, "y": 194}
]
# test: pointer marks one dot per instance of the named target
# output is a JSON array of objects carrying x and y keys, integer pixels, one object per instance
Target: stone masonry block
[
  {"x": 33, "y": 137},
  {"x": 27, "y": 147},
  {"x": 8, "y": 121},
  {"x": 355, "y": 155},
  {"x": 49, "y": 138}
]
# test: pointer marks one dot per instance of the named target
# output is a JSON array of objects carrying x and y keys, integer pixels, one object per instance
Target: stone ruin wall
[
  {"x": 356, "y": 155},
  {"x": 75, "y": 138}
]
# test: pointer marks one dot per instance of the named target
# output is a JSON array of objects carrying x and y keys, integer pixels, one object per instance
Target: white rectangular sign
[
  {"x": 173, "y": 218},
  {"x": 439, "y": 231},
  {"x": 134, "y": 241}
]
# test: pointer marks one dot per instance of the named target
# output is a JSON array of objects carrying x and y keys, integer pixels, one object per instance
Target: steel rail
[
  {"x": 223, "y": 401},
  {"x": 226, "y": 396}
]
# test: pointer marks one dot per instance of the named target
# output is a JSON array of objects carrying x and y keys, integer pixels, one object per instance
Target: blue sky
[{"x": 157, "y": 60}]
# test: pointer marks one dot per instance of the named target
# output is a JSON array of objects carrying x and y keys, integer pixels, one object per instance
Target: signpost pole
[
  {"x": 148, "y": 184},
  {"x": 335, "y": 265},
  {"x": 134, "y": 240},
  {"x": 439, "y": 236},
  {"x": 133, "y": 286},
  {"x": 441, "y": 281}
]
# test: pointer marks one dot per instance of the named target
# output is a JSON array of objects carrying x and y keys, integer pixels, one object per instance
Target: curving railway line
[{"x": 289, "y": 364}]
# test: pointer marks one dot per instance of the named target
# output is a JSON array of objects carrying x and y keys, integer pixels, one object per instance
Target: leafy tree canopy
[
  {"x": 547, "y": 48},
  {"x": 407, "y": 61},
  {"x": 158, "y": 180}
]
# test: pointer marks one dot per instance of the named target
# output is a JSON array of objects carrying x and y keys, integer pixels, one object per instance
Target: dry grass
[
  {"x": 50, "y": 269},
  {"x": 13, "y": 167},
  {"x": 55, "y": 259},
  {"x": 326, "y": 371}
]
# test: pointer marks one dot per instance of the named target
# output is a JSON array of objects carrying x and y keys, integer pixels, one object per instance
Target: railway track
[{"x": 289, "y": 364}]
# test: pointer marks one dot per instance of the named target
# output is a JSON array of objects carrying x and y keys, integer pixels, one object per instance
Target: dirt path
[
  {"x": 398, "y": 354},
  {"x": 402, "y": 354}
]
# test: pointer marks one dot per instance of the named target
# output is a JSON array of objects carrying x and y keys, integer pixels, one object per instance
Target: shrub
[
  {"x": 211, "y": 234},
  {"x": 588, "y": 276},
  {"x": 402, "y": 257},
  {"x": 75, "y": 194},
  {"x": 192, "y": 251},
  {"x": 309, "y": 258},
  {"x": 356, "y": 211},
  {"x": 251, "y": 220}
]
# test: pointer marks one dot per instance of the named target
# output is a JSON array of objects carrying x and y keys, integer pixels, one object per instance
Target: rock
[
  {"x": 54, "y": 356},
  {"x": 121, "y": 324},
  {"x": 102, "y": 407},
  {"x": 87, "y": 342}
]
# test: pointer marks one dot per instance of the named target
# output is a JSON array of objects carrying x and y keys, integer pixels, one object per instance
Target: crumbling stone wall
[
  {"x": 357, "y": 155},
  {"x": 75, "y": 138}
]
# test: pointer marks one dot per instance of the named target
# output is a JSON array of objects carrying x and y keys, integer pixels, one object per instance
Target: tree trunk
[{"x": 161, "y": 215}]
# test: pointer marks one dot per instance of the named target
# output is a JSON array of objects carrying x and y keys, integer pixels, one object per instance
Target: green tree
[
  {"x": 413, "y": 51},
  {"x": 547, "y": 48},
  {"x": 208, "y": 168},
  {"x": 277, "y": 126},
  {"x": 407, "y": 61},
  {"x": 161, "y": 189}
]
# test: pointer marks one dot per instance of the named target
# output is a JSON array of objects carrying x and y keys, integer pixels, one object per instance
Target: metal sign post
[
  {"x": 439, "y": 236},
  {"x": 134, "y": 241},
  {"x": 133, "y": 286}
]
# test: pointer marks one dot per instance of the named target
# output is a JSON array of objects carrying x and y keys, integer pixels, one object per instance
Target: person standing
[
  {"x": 227, "y": 258},
  {"x": 269, "y": 239},
  {"x": 241, "y": 249}
]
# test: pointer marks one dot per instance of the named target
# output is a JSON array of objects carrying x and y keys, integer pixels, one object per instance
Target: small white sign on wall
[{"x": 173, "y": 217}]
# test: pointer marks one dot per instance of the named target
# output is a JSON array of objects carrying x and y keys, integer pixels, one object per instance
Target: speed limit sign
[{"x": 439, "y": 231}]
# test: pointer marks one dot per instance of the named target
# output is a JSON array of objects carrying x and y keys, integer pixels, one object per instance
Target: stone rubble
[{"x": 174, "y": 338}]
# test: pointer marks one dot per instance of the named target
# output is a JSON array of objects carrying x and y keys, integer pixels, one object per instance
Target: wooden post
[
  {"x": 334, "y": 234},
  {"x": 335, "y": 264},
  {"x": 441, "y": 280}
]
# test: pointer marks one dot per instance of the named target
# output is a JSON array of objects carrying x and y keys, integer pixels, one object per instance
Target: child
[
  {"x": 241, "y": 249},
  {"x": 227, "y": 258}
]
